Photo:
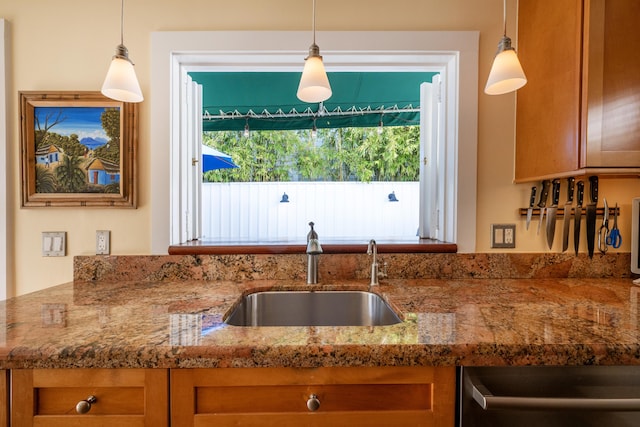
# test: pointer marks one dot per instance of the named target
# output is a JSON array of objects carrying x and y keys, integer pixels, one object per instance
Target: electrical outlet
[
  {"x": 102, "y": 242},
  {"x": 503, "y": 235}
]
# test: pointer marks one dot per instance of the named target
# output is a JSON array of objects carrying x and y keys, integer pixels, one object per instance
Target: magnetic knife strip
[{"x": 560, "y": 213}]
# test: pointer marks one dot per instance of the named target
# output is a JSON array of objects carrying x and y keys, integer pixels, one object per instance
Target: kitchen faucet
[
  {"x": 373, "y": 250},
  {"x": 313, "y": 250}
]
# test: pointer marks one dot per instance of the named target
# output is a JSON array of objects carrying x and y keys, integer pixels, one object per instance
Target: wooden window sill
[{"x": 198, "y": 247}]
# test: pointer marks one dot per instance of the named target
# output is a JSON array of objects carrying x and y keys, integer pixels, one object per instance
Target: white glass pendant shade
[
  {"x": 121, "y": 82},
  {"x": 506, "y": 73},
  {"x": 314, "y": 83}
]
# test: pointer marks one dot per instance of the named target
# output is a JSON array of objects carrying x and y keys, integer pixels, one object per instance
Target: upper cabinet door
[
  {"x": 548, "y": 106},
  {"x": 580, "y": 110},
  {"x": 612, "y": 80}
]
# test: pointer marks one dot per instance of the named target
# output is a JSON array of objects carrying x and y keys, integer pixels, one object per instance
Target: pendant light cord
[
  {"x": 504, "y": 17},
  {"x": 313, "y": 23},
  {"x": 122, "y": 23}
]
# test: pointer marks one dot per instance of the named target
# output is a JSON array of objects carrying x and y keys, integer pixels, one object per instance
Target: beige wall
[{"x": 67, "y": 45}]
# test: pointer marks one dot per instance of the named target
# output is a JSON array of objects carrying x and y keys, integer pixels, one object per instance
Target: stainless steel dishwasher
[{"x": 603, "y": 396}]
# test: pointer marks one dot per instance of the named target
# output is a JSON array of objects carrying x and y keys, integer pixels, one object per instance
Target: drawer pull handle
[
  {"x": 84, "y": 406},
  {"x": 313, "y": 403}
]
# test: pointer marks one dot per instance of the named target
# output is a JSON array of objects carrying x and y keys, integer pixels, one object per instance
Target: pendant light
[
  {"x": 506, "y": 72},
  {"x": 121, "y": 82},
  {"x": 314, "y": 83}
]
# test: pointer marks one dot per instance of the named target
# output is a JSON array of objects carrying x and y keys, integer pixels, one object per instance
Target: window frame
[
  {"x": 453, "y": 54},
  {"x": 5, "y": 262}
]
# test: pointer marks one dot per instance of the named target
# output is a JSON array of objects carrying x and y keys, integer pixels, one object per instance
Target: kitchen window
[
  {"x": 356, "y": 179},
  {"x": 452, "y": 54}
]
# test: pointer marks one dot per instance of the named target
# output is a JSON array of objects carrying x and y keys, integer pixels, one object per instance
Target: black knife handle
[
  {"x": 593, "y": 189},
  {"x": 555, "y": 193},
  {"x": 580, "y": 191},
  {"x": 544, "y": 193},
  {"x": 571, "y": 183},
  {"x": 532, "y": 199}
]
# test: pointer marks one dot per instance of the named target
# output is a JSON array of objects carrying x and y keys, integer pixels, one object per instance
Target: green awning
[{"x": 267, "y": 101}]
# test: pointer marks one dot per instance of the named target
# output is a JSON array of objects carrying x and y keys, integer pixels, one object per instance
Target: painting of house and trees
[{"x": 77, "y": 149}]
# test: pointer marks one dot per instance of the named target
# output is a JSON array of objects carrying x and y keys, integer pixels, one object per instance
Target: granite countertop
[{"x": 446, "y": 322}]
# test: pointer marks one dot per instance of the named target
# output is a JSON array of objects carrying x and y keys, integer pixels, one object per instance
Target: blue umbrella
[{"x": 213, "y": 159}]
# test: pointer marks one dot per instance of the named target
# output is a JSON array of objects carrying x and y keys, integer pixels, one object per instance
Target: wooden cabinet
[
  {"x": 416, "y": 396},
  {"x": 4, "y": 398},
  {"x": 580, "y": 110},
  {"x": 123, "y": 397}
]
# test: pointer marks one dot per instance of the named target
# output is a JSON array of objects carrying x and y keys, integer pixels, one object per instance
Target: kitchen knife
[
  {"x": 544, "y": 193},
  {"x": 578, "y": 215},
  {"x": 567, "y": 213},
  {"x": 532, "y": 201},
  {"x": 591, "y": 214},
  {"x": 552, "y": 211}
]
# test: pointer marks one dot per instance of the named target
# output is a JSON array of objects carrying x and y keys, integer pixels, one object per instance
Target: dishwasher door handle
[{"x": 488, "y": 401}]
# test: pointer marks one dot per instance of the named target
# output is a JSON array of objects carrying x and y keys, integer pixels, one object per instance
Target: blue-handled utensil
[{"x": 614, "y": 239}]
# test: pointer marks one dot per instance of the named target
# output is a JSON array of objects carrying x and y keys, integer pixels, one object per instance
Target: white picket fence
[{"x": 252, "y": 212}]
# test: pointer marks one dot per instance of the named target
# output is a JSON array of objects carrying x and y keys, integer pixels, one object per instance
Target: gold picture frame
[{"x": 77, "y": 149}]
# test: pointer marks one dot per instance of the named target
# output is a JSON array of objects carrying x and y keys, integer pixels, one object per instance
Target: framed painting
[{"x": 77, "y": 149}]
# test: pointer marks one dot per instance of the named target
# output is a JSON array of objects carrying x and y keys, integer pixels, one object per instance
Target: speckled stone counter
[{"x": 560, "y": 321}]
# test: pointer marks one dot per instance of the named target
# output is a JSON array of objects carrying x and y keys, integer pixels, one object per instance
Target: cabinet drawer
[
  {"x": 346, "y": 396},
  {"x": 123, "y": 397}
]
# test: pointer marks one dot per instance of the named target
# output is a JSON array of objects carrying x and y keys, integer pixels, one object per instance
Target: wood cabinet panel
[
  {"x": 612, "y": 83},
  {"x": 418, "y": 396},
  {"x": 124, "y": 397},
  {"x": 548, "y": 106},
  {"x": 333, "y": 419},
  {"x": 4, "y": 398},
  {"x": 580, "y": 110},
  {"x": 421, "y": 396}
]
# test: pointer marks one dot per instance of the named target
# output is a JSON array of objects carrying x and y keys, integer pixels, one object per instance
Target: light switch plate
[
  {"x": 102, "y": 242},
  {"x": 54, "y": 243}
]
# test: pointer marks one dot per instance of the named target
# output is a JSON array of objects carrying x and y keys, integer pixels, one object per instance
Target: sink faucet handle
[{"x": 383, "y": 273}]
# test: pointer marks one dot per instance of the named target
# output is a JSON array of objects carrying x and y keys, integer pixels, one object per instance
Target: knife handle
[
  {"x": 580, "y": 192},
  {"x": 555, "y": 193},
  {"x": 544, "y": 194},
  {"x": 571, "y": 182},
  {"x": 593, "y": 189},
  {"x": 532, "y": 199}
]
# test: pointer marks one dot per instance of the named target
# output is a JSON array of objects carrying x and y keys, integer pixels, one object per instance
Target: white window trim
[
  {"x": 454, "y": 54},
  {"x": 4, "y": 239}
]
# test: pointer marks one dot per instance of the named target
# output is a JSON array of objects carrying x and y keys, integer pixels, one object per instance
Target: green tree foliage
[
  {"x": 351, "y": 154},
  {"x": 110, "y": 119},
  {"x": 70, "y": 145},
  {"x": 109, "y": 152},
  {"x": 43, "y": 125},
  {"x": 113, "y": 188},
  {"x": 70, "y": 175},
  {"x": 45, "y": 180}
]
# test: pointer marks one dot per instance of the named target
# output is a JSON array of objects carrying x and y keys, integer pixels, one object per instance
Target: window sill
[{"x": 198, "y": 247}]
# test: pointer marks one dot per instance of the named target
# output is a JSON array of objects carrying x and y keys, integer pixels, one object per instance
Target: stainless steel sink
[{"x": 312, "y": 308}]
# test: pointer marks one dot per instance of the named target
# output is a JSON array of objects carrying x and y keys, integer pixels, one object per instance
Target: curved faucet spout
[
  {"x": 373, "y": 250},
  {"x": 313, "y": 250},
  {"x": 313, "y": 243}
]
